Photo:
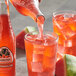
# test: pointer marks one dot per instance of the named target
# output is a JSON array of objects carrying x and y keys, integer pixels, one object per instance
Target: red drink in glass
[
  {"x": 41, "y": 54},
  {"x": 64, "y": 24}
]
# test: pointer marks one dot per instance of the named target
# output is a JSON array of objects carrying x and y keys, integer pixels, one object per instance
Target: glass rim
[
  {"x": 39, "y": 16},
  {"x": 46, "y": 32},
  {"x": 63, "y": 12}
]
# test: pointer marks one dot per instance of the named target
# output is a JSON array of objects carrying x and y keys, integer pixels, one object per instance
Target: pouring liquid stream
[{"x": 40, "y": 22}]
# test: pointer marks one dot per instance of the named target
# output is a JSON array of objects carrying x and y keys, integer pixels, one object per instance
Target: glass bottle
[
  {"x": 29, "y": 8},
  {"x": 7, "y": 42}
]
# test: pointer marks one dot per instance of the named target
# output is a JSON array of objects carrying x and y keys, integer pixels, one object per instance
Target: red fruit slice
[
  {"x": 20, "y": 36},
  {"x": 66, "y": 66},
  {"x": 60, "y": 68},
  {"x": 20, "y": 40}
]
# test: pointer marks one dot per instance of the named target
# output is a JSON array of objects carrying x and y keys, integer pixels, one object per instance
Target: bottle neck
[
  {"x": 4, "y": 16},
  {"x": 35, "y": 13},
  {"x": 4, "y": 7}
]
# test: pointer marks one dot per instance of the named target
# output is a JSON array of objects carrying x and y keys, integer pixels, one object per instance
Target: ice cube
[
  {"x": 68, "y": 43},
  {"x": 37, "y": 67},
  {"x": 60, "y": 24},
  {"x": 38, "y": 49},
  {"x": 67, "y": 32},
  {"x": 37, "y": 57}
]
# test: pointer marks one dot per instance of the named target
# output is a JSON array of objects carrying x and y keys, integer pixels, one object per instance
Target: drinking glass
[
  {"x": 41, "y": 53},
  {"x": 64, "y": 24}
]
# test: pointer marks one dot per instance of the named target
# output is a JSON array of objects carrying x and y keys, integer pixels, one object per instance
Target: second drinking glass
[{"x": 64, "y": 24}]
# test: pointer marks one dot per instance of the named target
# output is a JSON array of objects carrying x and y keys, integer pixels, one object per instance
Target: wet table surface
[{"x": 19, "y": 22}]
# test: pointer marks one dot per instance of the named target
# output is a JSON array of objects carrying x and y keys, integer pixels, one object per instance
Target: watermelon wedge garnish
[
  {"x": 20, "y": 36},
  {"x": 66, "y": 66}
]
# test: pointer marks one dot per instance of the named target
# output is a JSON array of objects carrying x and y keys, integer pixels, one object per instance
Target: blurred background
[{"x": 19, "y": 22}]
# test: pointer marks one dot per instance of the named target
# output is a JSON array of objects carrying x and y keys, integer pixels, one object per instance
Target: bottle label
[{"x": 6, "y": 57}]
